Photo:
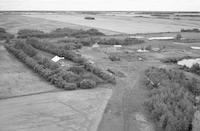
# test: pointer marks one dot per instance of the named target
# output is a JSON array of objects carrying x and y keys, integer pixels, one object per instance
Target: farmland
[{"x": 115, "y": 74}]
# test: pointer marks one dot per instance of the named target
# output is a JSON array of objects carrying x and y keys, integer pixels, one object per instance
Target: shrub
[
  {"x": 148, "y": 47},
  {"x": 178, "y": 37},
  {"x": 170, "y": 103},
  {"x": 87, "y": 84},
  {"x": 127, "y": 41},
  {"x": 6, "y": 36},
  {"x": 111, "y": 41},
  {"x": 132, "y": 41},
  {"x": 174, "y": 60},
  {"x": 25, "y": 33},
  {"x": 77, "y": 70},
  {"x": 2, "y": 30},
  {"x": 114, "y": 58},
  {"x": 190, "y": 30}
]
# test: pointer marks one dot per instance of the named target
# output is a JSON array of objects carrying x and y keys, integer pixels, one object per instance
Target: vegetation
[
  {"x": 70, "y": 55},
  {"x": 5, "y": 35},
  {"x": 174, "y": 60},
  {"x": 194, "y": 69},
  {"x": 43, "y": 66},
  {"x": 60, "y": 32},
  {"x": 114, "y": 58},
  {"x": 179, "y": 37},
  {"x": 87, "y": 84},
  {"x": 127, "y": 41},
  {"x": 171, "y": 98},
  {"x": 25, "y": 33},
  {"x": 188, "y": 40},
  {"x": 190, "y": 30},
  {"x": 2, "y": 30}
]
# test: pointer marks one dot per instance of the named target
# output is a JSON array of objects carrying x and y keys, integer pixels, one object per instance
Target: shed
[
  {"x": 96, "y": 45},
  {"x": 161, "y": 38},
  {"x": 57, "y": 58},
  {"x": 117, "y": 46}
]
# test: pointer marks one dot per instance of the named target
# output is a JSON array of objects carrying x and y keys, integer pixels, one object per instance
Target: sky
[{"x": 101, "y": 5}]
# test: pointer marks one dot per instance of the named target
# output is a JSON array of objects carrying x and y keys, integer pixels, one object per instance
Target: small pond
[{"x": 188, "y": 62}]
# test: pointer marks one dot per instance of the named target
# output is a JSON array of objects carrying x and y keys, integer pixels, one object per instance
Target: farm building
[
  {"x": 161, "y": 38},
  {"x": 96, "y": 45},
  {"x": 117, "y": 46},
  {"x": 57, "y": 58}
]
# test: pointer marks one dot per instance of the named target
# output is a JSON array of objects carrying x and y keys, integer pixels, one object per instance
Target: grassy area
[{"x": 17, "y": 79}]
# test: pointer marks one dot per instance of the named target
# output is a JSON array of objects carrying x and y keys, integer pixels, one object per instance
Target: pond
[{"x": 189, "y": 62}]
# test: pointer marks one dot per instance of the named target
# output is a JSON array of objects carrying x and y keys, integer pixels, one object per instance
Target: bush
[
  {"x": 174, "y": 60},
  {"x": 25, "y": 33},
  {"x": 132, "y": 41},
  {"x": 148, "y": 48},
  {"x": 4, "y": 35},
  {"x": 127, "y": 41},
  {"x": 171, "y": 99},
  {"x": 190, "y": 30},
  {"x": 87, "y": 84},
  {"x": 77, "y": 70},
  {"x": 114, "y": 58},
  {"x": 178, "y": 37},
  {"x": 2, "y": 30}
]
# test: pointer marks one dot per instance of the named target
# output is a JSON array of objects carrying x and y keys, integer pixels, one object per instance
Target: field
[
  {"x": 123, "y": 24},
  {"x": 116, "y": 102}
]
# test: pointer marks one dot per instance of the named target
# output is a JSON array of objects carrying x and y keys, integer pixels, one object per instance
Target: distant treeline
[
  {"x": 190, "y": 30},
  {"x": 60, "y": 32},
  {"x": 113, "y": 41}
]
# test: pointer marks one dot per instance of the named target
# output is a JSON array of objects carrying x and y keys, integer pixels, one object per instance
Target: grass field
[
  {"x": 17, "y": 79},
  {"x": 129, "y": 25},
  {"x": 13, "y": 23}
]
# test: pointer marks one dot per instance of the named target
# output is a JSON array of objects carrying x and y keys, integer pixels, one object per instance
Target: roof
[
  {"x": 117, "y": 46},
  {"x": 161, "y": 38},
  {"x": 95, "y": 45},
  {"x": 57, "y": 58}
]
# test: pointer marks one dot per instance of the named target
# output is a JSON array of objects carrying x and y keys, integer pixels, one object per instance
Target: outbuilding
[{"x": 57, "y": 58}]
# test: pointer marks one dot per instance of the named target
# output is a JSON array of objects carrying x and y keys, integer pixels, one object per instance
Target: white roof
[
  {"x": 57, "y": 58},
  {"x": 117, "y": 46},
  {"x": 140, "y": 50},
  {"x": 95, "y": 45},
  {"x": 91, "y": 62},
  {"x": 195, "y": 47},
  {"x": 161, "y": 38}
]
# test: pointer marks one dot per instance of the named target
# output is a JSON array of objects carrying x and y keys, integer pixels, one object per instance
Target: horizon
[
  {"x": 94, "y": 11},
  {"x": 100, "y": 5}
]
